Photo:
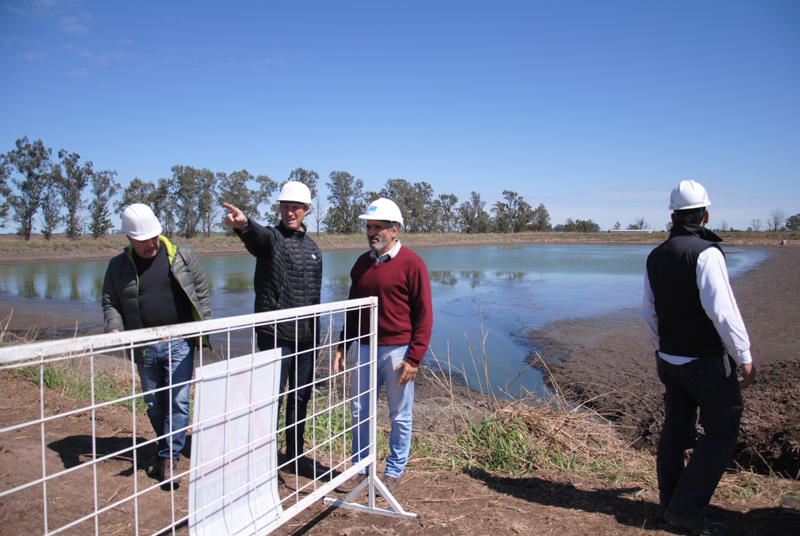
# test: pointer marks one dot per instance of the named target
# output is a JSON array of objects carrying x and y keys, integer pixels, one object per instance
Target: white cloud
[
  {"x": 77, "y": 73},
  {"x": 126, "y": 41},
  {"x": 73, "y": 25},
  {"x": 33, "y": 55}
]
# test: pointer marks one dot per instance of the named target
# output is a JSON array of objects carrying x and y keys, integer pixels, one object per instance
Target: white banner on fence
[{"x": 233, "y": 487}]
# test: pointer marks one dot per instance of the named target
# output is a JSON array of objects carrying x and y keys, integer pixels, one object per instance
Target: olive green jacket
[{"x": 121, "y": 289}]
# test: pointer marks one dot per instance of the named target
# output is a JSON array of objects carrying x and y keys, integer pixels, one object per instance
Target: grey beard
[{"x": 380, "y": 244}]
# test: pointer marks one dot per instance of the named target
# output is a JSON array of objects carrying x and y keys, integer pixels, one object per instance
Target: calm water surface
[{"x": 488, "y": 293}]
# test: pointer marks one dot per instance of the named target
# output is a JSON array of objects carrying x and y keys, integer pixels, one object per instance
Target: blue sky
[{"x": 596, "y": 109}]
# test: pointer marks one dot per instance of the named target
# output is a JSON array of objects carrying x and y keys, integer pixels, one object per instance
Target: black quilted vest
[{"x": 288, "y": 274}]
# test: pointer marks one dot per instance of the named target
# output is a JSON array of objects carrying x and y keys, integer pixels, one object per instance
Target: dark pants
[
  {"x": 298, "y": 371},
  {"x": 699, "y": 384}
]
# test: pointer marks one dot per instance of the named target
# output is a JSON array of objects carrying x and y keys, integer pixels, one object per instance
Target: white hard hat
[
  {"x": 139, "y": 222},
  {"x": 383, "y": 209},
  {"x": 296, "y": 192},
  {"x": 688, "y": 194}
]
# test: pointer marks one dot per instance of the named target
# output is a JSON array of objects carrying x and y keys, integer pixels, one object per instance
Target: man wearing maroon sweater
[{"x": 399, "y": 278}]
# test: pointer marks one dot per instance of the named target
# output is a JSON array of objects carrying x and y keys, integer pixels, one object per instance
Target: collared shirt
[
  {"x": 719, "y": 303},
  {"x": 386, "y": 256}
]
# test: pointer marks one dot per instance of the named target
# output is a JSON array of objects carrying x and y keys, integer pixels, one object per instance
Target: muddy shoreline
[{"x": 608, "y": 363}]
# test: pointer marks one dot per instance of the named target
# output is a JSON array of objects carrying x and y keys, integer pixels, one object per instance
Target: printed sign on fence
[{"x": 233, "y": 488}]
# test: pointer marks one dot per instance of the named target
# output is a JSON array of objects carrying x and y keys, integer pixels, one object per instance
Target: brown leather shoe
[
  {"x": 171, "y": 470},
  {"x": 392, "y": 482},
  {"x": 351, "y": 483}
]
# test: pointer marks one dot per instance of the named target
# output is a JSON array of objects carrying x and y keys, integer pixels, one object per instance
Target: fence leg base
[{"x": 396, "y": 511}]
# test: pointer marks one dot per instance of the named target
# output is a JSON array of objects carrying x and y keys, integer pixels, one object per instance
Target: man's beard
[{"x": 379, "y": 243}]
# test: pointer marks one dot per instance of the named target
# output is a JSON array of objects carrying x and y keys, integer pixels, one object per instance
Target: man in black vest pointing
[{"x": 699, "y": 336}]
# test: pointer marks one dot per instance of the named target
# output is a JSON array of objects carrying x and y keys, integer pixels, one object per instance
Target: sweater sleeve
[
  {"x": 421, "y": 313},
  {"x": 352, "y": 322}
]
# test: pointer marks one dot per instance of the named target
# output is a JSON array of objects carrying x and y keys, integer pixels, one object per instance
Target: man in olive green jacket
[{"x": 157, "y": 283}]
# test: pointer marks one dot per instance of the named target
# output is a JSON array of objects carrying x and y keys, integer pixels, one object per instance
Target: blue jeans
[
  {"x": 698, "y": 384},
  {"x": 165, "y": 364},
  {"x": 399, "y": 397}
]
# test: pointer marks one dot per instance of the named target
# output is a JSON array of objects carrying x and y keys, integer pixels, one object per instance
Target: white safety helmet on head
[
  {"x": 383, "y": 209},
  {"x": 688, "y": 195},
  {"x": 139, "y": 222},
  {"x": 295, "y": 192}
]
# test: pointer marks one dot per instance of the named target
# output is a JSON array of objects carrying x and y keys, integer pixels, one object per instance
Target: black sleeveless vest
[{"x": 684, "y": 328}]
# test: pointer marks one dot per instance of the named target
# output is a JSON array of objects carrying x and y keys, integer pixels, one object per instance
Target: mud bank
[{"x": 609, "y": 363}]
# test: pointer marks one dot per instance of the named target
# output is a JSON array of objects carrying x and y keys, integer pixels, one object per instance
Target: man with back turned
[{"x": 695, "y": 326}]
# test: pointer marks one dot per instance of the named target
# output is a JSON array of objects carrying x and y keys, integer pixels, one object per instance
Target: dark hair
[{"x": 692, "y": 215}]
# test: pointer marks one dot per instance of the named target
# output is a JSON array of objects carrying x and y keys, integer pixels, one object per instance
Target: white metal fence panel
[{"x": 85, "y": 419}]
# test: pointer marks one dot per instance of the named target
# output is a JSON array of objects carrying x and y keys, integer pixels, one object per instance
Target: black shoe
[
  {"x": 701, "y": 528},
  {"x": 308, "y": 469},
  {"x": 662, "y": 508},
  {"x": 155, "y": 468}
]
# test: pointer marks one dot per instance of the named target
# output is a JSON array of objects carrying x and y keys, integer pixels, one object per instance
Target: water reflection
[
  {"x": 511, "y": 276},
  {"x": 443, "y": 277},
  {"x": 526, "y": 288}
]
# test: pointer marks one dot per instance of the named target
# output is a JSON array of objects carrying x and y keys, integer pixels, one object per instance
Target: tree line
[
  {"x": 34, "y": 184},
  {"x": 189, "y": 202}
]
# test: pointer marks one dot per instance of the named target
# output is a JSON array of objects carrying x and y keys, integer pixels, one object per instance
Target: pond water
[{"x": 484, "y": 297}]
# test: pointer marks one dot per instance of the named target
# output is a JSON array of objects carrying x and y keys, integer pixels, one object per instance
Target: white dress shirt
[{"x": 718, "y": 302}]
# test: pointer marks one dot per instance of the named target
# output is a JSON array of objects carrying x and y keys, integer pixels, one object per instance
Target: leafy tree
[
  {"x": 164, "y": 206},
  {"x": 617, "y": 226},
  {"x": 104, "y": 187},
  {"x": 267, "y": 187},
  {"x": 233, "y": 189},
  {"x": 5, "y": 191},
  {"x": 541, "y": 220},
  {"x": 32, "y": 162},
  {"x": 513, "y": 214},
  {"x": 580, "y": 226},
  {"x": 51, "y": 203},
  {"x": 638, "y": 225},
  {"x": 347, "y": 203},
  {"x": 793, "y": 222},
  {"x": 194, "y": 197},
  {"x": 137, "y": 191},
  {"x": 756, "y": 224},
  {"x": 776, "y": 218},
  {"x": 472, "y": 216},
  {"x": 444, "y": 218},
  {"x": 586, "y": 226},
  {"x": 71, "y": 184}
]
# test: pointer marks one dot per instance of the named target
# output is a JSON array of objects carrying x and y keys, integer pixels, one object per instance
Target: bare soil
[{"x": 608, "y": 360}]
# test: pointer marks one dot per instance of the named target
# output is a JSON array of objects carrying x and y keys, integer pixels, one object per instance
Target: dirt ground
[{"x": 608, "y": 359}]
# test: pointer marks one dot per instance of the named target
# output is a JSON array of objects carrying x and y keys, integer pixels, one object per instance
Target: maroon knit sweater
[{"x": 405, "y": 313}]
